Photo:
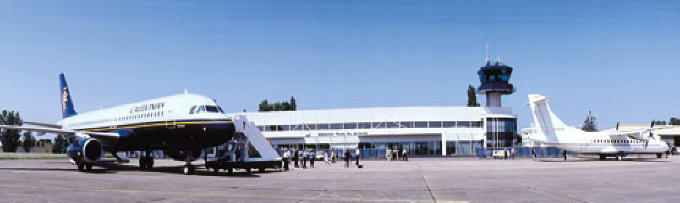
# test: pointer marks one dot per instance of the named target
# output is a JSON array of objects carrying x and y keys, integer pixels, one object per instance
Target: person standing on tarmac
[
  {"x": 405, "y": 154},
  {"x": 347, "y": 158},
  {"x": 357, "y": 153},
  {"x": 333, "y": 156},
  {"x": 285, "y": 159},
  {"x": 305, "y": 157},
  {"x": 312, "y": 156},
  {"x": 301, "y": 155},
  {"x": 296, "y": 157}
]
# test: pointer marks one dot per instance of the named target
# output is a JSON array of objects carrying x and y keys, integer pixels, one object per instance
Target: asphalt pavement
[{"x": 645, "y": 179}]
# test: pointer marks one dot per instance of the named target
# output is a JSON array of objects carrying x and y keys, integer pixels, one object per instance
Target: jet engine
[{"x": 92, "y": 150}]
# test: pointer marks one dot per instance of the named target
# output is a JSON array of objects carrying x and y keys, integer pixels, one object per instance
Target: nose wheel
[
  {"x": 146, "y": 161},
  {"x": 189, "y": 169}
]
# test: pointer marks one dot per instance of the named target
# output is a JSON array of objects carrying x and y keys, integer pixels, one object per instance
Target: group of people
[
  {"x": 301, "y": 157},
  {"x": 396, "y": 154}
]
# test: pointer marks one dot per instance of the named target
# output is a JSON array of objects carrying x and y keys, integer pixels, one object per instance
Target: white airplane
[
  {"x": 180, "y": 125},
  {"x": 550, "y": 131}
]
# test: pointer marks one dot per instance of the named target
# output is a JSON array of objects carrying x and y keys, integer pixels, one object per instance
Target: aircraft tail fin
[
  {"x": 67, "y": 109},
  {"x": 545, "y": 120}
]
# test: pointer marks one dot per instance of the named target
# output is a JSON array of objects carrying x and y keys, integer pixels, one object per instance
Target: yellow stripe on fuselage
[{"x": 159, "y": 124}]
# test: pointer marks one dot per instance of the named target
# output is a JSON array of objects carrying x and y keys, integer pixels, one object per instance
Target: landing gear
[
  {"x": 189, "y": 169},
  {"x": 84, "y": 166},
  {"x": 603, "y": 157},
  {"x": 146, "y": 161},
  {"x": 88, "y": 167},
  {"x": 81, "y": 165},
  {"x": 658, "y": 156}
]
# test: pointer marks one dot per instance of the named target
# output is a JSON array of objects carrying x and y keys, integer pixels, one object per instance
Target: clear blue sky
[{"x": 617, "y": 59}]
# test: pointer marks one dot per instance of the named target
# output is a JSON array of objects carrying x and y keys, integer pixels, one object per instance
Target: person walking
[
  {"x": 285, "y": 159},
  {"x": 405, "y": 154},
  {"x": 312, "y": 156},
  {"x": 296, "y": 158},
  {"x": 326, "y": 158}
]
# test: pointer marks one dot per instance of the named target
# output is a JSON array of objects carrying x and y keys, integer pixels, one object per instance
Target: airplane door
[{"x": 170, "y": 122}]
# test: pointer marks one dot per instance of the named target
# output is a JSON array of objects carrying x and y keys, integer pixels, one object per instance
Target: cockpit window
[
  {"x": 212, "y": 109},
  {"x": 208, "y": 108}
]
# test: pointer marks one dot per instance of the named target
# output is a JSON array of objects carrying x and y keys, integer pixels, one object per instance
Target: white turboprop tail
[{"x": 545, "y": 121}]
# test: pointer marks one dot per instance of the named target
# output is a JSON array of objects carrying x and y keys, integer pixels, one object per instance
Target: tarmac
[{"x": 644, "y": 179}]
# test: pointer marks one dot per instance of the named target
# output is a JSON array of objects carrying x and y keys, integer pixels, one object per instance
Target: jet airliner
[{"x": 180, "y": 125}]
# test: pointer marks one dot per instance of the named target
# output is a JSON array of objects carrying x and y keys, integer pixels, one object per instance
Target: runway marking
[{"x": 212, "y": 194}]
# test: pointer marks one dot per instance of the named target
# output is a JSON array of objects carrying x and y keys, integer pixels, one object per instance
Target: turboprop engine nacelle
[{"x": 644, "y": 136}]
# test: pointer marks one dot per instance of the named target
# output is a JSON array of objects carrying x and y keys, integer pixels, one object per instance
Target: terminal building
[{"x": 423, "y": 131}]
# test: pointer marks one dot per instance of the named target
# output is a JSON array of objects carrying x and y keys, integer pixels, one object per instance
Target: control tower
[{"x": 495, "y": 82}]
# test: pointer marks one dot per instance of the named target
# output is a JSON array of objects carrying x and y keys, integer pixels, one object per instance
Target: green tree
[
  {"x": 285, "y": 106},
  {"x": 590, "y": 125},
  {"x": 10, "y": 138},
  {"x": 472, "y": 96},
  {"x": 60, "y": 145},
  {"x": 675, "y": 121},
  {"x": 659, "y": 122},
  {"x": 278, "y": 106},
  {"x": 293, "y": 105},
  {"x": 28, "y": 142},
  {"x": 264, "y": 106}
]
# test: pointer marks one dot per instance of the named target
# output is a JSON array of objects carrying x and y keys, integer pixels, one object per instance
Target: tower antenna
[{"x": 486, "y": 52}]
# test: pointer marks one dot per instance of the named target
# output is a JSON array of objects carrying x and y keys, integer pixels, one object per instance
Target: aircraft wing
[
  {"x": 49, "y": 125},
  {"x": 628, "y": 132},
  {"x": 106, "y": 137},
  {"x": 38, "y": 129}
]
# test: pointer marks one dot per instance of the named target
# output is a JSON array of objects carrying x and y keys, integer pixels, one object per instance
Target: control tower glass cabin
[{"x": 495, "y": 82}]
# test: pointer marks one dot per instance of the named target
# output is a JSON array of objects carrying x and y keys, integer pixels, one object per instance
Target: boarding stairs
[{"x": 255, "y": 138}]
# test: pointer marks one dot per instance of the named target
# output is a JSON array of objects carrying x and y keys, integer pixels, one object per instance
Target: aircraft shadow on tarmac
[
  {"x": 94, "y": 170},
  {"x": 109, "y": 167},
  {"x": 590, "y": 159},
  {"x": 200, "y": 171}
]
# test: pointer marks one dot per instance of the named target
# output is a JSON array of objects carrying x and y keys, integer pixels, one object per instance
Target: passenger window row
[
  {"x": 372, "y": 125},
  {"x": 140, "y": 116},
  {"x": 124, "y": 118},
  {"x": 617, "y": 141}
]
